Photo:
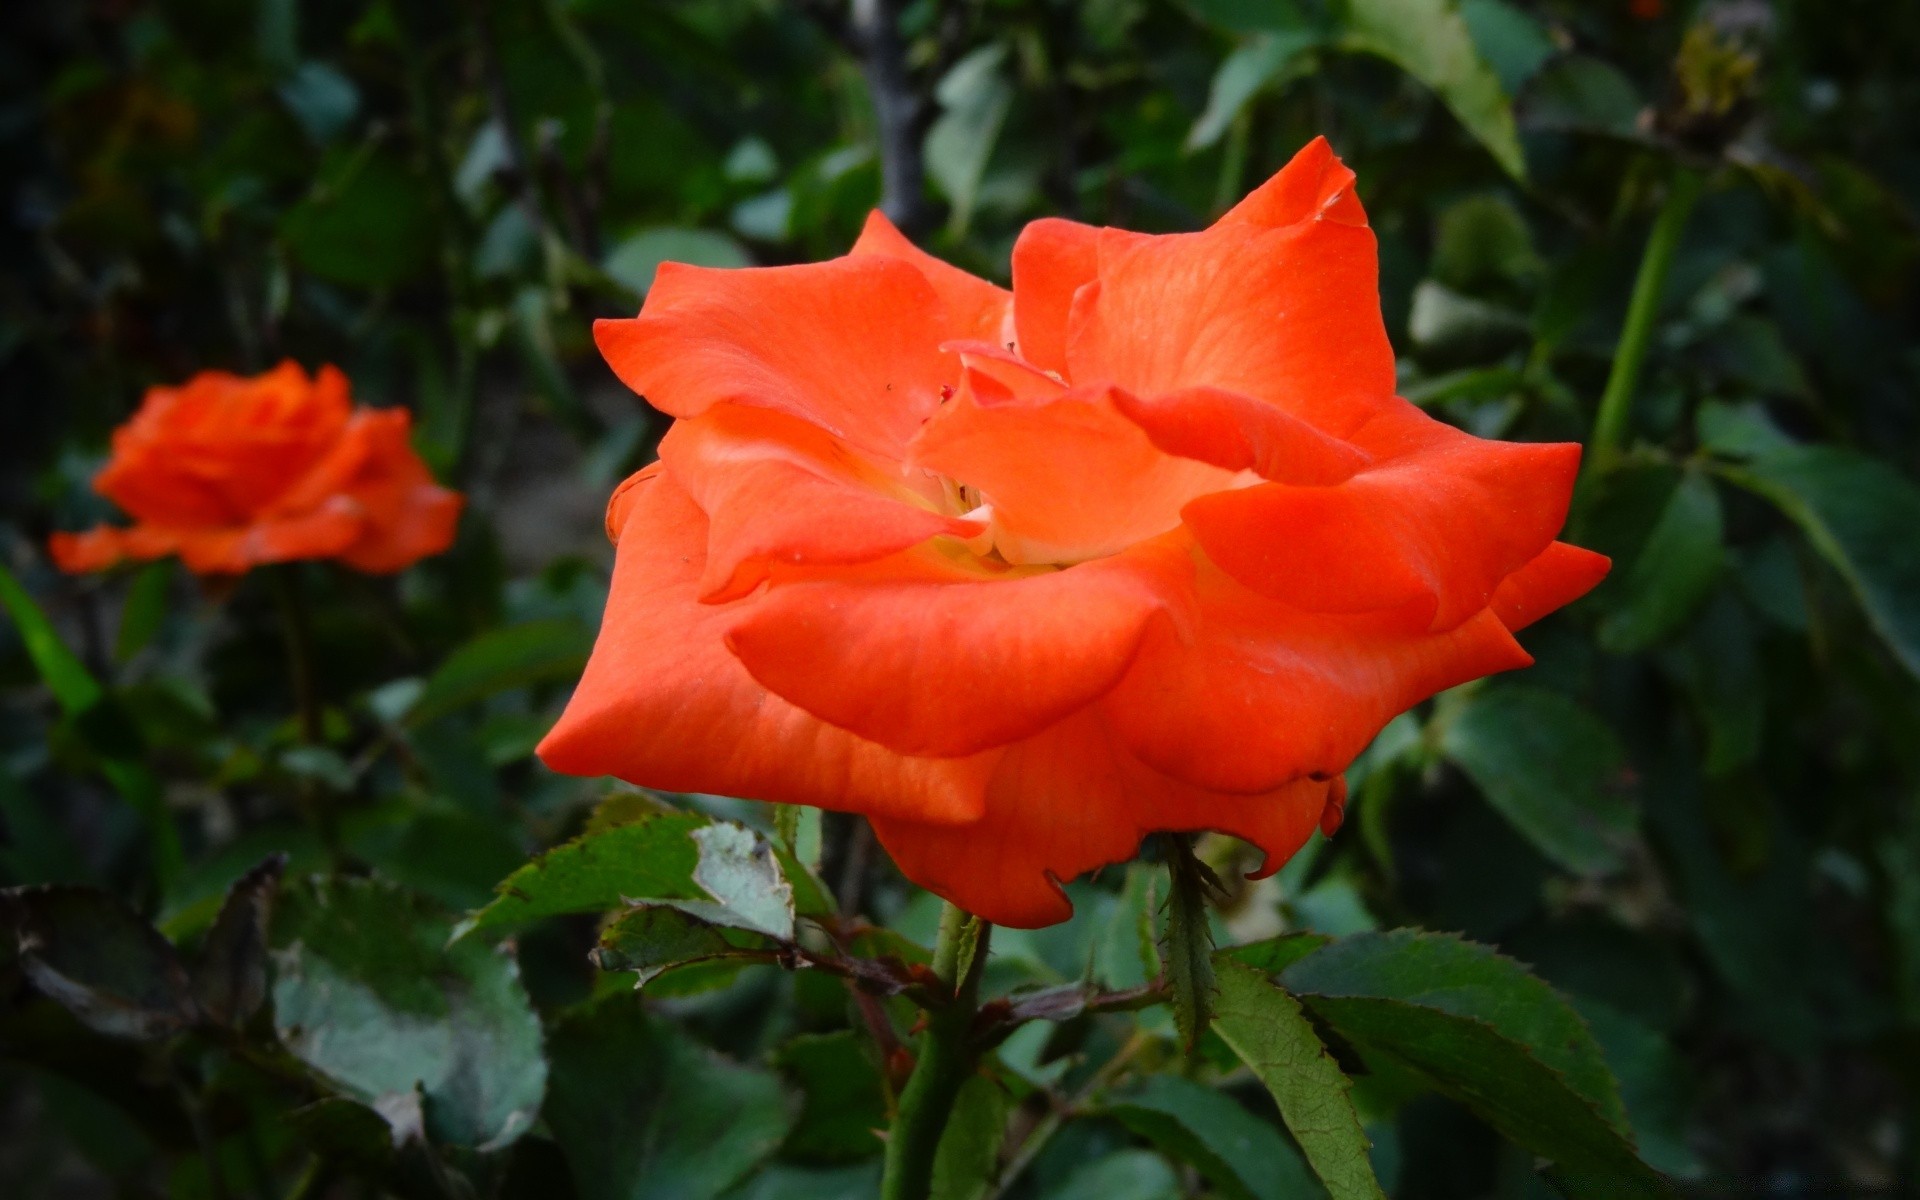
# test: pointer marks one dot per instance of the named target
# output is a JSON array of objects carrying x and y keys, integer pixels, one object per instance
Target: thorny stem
[
  {"x": 946, "y": 1055},
  {"x": 1616, "y": 403}
]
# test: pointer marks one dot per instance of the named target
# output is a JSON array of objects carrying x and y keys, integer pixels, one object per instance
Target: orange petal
[
  {"x": 1290, "y": 316},
  {"x": 1052, "y": 260},
  {"x": 1068, "y": 801},
  {"x": 1239, "y": 433},
  {"x": 1559, "y": 576},
  {"x": 106, "y": 545},
  {"x": 780, "y": 491},
  {"x": 663, "y": 704},
  {"x": 956, "y": 665},
  {"x": 1431, "y": 528},
  {"x": 1314, "y": 185},
  {"x": 374, "y": 471},
  {"x": 974, "y": 307},
  {"x": 850, "y": 345},
  {"x": 1259, "y": 694},
  {"x": 1068, "y": 478}
]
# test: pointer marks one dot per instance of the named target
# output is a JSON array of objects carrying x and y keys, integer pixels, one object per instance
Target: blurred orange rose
[
  {"x": 230, "y": 473},
  {"x": 1147, "y": 544}
]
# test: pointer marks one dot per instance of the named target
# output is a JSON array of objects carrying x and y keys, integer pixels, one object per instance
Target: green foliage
[
  {"x": 439, "y": 1039},
  {"x": 1266, "y": 1028}
]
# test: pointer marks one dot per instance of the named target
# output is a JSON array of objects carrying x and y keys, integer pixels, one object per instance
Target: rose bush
[
  {"x": 1148, "y": 543},
  {"x": 231, "y": 473}
]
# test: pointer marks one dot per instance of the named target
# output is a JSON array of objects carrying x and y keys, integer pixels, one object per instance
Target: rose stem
[
  {"x": 1616, "y": 403},
  {"x": 946, "y": 1056},
  {"x": 296, "y": 633}
]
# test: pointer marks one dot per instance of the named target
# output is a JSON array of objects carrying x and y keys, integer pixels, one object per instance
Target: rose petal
[
  {"x": 1288, "y": 315},
  {"x": 663, "y": 704},
  {"x": 1559, "y": 576},
  {"x": 1073, "y": 799},
  {"x": 1239, "y": 433},
  {"x": 778, "y": 490},
  {"x": 974, "y": 307},
  {"x": 1053, "y": 259},
  {"x": 851, "y": 345},
  {"x": 1258, "y": 694},
  {"x": 961, "y": 662},
  {"x": 1067, "y": 477},
  {"x": 1431, "y": 528}
]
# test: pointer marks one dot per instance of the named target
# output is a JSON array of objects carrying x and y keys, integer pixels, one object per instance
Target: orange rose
[
  {"x": 230, "y": 473},
  {"x": 1147, "y": 544}
]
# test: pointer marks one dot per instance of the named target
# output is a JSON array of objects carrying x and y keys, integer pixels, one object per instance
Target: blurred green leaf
[
  {"x": 845, "y": 1108},
  {"x": 1243, "y": 1157},
  {"x": 686, "y": 1127},
  {"x": 1123, "y": 1175},
  {"x": 144, "y": 609},
  {"x": 1488, "y": 1034},
  {"x": 1266, "y": 1028},
  {"x": 1739, "y": 430},
  {"x": 511, "y": 656},
  {"x": 1480, "y": 240},
  {"x": 84, "y": 702},
  {"x": 1862, "y": 516},
  {"x": 322, "y": 99},
  {"x": 368, "y": 993},
  {"x": 368, "y": 224},
  {"x": 1674, "y": 572},
  {"x": 1270, "y": 956},
  {"x": 635, "y": 259},
  {"x": 100, "y": 961},
  {"x": 1511, "y": 41},
  {"x": 1580, "y": 92},
  {"x": 1549, "y": 766},
  {"x": 1264, "y": 60},
  {"x": 974, "y": 101},
  {"x": 1429, "y": 40}
]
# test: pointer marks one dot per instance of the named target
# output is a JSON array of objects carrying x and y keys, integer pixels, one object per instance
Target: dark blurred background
[{"x": 1697, "y": 815}]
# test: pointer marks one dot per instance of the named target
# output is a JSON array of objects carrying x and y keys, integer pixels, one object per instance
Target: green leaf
[
  {"x": 1187, "y": 941},
  {"x": 1862, "y": 516},
  {"x": 144, "y": 609},
  {"x": 86, "y": 704},
  {"x": 643, "y": 1112},
  {"x": 1487, "y": 1033},
  {"x": 508, "y": 657},
  {"x": 1429, "y": 40},
  {"x": 1551, "y": 768},
  {"x": 1243, "y": 1157},
  {"x": 230, "y": 971},
  {"x": 650, "y": 859},
  {"x": 1583, "y": 93},
  {"x": 369, "y": 993},
  {"x": 654, "y": 939},
  {"x": 1124, "y": 1175},
  {"x": 799, "y": 827},
  {"x": 101, "y": 961},
  {"x": 845, "y": 1109},
  {"x": 974, "y": 100},
  {"x": 1265, "y": 1027},
  {"x": 963, "y": 1166},
  {"x": 1674, "y": 572},
  {"x": 638, "y": 257},
  {"x": 738, "y": 869},
  {"x": 1264, "y": 60},
  {"x": 368, "y": 223},
  {"x": 1481, "y": 240},
  {"x": 1273, "y": 955},
  {"x": 1513, "y": 43}
]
